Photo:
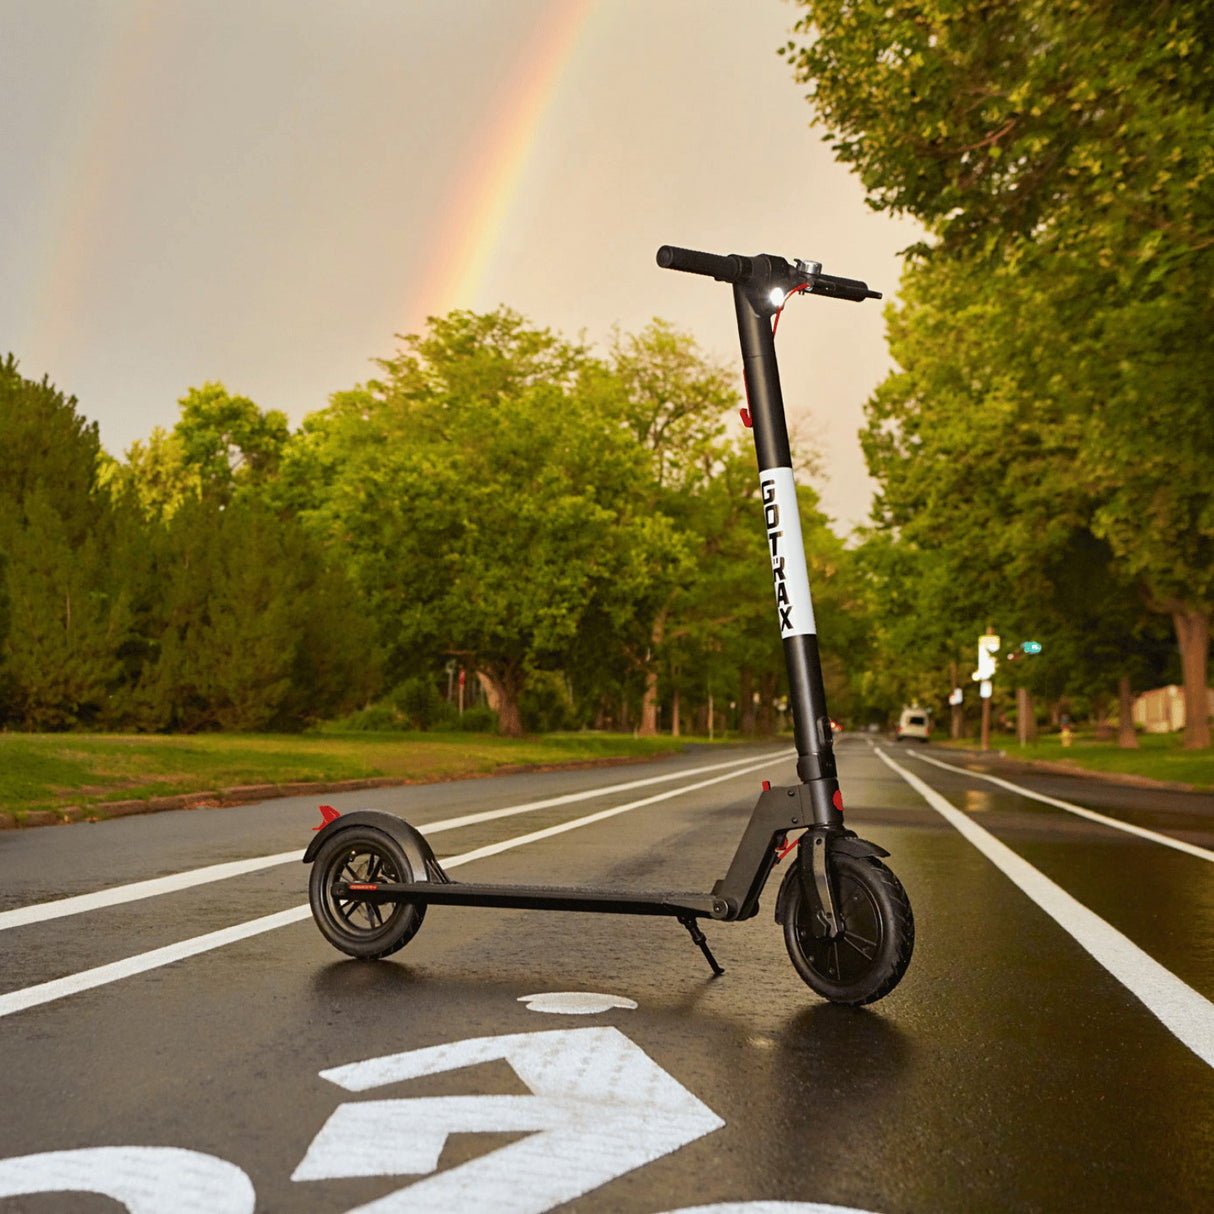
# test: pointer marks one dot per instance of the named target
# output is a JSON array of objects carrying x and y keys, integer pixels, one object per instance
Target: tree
[
  {"x": 49, "y": 452},
  {"x": 485, "y": 499},
  {"x": 155, "y": 475},
  {"x": 987, "y": 485},
  {"x": 1062, "y": 146},
  {"x": 220, "y": 445},
  {"x": 253, "y": 628},
  {"x": 673, "y": 400},
  {"x": 68, "y": 610}
]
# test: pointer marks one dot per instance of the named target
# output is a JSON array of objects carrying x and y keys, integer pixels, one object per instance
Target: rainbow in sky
[{"x": 497, "y": 164}]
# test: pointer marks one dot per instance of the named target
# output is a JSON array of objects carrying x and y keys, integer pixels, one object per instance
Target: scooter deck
[{"x": 529, "y": 897}]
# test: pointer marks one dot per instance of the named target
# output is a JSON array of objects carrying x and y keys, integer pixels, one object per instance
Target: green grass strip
[{"x": 52, "y": 772}]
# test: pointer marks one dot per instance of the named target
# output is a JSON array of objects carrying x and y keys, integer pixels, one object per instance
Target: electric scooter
[{"x": 847, "y": 921}]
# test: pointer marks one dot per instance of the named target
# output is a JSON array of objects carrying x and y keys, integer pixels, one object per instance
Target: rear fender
[{"x": 420, "y": 855}]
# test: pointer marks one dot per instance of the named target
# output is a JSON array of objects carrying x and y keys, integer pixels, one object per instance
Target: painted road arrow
[{"x": 600, "y": 1107}]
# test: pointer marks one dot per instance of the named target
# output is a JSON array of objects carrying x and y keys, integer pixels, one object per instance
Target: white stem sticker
[{"x": 787, "y": 552}]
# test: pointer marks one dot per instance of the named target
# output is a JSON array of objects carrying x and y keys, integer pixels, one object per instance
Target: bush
[
  {"x": 545, "y": 706},
  {"x": 419, "y": 702},
  {"x": 478, "y": 719},
  {"x": 375, "y": 718}
]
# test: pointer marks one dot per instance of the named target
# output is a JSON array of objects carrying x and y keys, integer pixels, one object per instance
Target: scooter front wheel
[
  {"x": 359, "y": 926},
  {"x": 868, "y": 958}
]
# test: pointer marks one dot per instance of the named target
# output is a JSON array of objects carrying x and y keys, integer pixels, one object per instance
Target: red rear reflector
[{"x": 767, "y": 786}]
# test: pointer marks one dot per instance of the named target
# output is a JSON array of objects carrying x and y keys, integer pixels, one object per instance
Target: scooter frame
[{"x": 761, "y": 286}]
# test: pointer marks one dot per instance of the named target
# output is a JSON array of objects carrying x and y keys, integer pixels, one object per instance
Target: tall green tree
[
  {"x": 1062, "y": 150},
  {"x": 485, "y": 498},
  {"x": 69, "y": 613},
  {"x": 253, "y": 628},
  {"x": 221, "y": 445}
]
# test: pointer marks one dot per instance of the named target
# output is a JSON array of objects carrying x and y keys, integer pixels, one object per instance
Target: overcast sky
[{"x": 264, "y": 192}]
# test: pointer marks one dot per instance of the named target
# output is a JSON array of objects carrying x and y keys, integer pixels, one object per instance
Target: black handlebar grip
[
  {"x": 724, "y": 269},
  {"x": 843, "y": 288}
]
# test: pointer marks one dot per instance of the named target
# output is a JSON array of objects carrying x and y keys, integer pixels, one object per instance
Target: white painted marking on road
[
  {"x": 600, "y": 1108},
  {"x": 1187, "y": 1014},
  {"x": 769, "y": 1207},
  {"x": 41, "y": 912},
  {"x": 493, "y": 849},
  {"x": 45, "y": 992},
  {"x": 1202, "y": 853},
  {"x": 102, "y": 975},
  {"x": 576, "y": 1003},
  {"x": 146, "y": 1180}
]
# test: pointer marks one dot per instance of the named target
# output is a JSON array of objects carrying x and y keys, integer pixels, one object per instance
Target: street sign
[
  {"x": 984, "y": 689},
  {"x": 988, "y": 647}
]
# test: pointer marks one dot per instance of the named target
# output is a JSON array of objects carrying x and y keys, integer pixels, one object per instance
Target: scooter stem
[{"x": 811, "y": 722}]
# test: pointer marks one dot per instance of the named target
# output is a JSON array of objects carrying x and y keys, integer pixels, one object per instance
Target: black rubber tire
[
  {"x": 358, "y": 927},
  {"x": 868, "y": 960}
]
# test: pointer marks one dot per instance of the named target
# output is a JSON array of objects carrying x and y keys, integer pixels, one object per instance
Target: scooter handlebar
[
  {"x": 843, "y": 288},
  {"x": 728, "y": 268},
  {"x": 733, "y": 267}
]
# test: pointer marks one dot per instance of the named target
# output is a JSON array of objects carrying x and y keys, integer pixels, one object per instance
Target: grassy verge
[
  {"x": 1158, "y": 757},
  {"x": 51, "y": 772}
]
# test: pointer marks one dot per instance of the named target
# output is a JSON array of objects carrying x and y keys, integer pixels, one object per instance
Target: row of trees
[
  {"x": 567, "y": 528},
  {"x": 1045, "y": 448},
  {"x": 580, "y": 532}
]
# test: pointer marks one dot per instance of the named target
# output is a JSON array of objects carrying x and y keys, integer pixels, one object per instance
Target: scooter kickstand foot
[{"x": 698, "y": 937}]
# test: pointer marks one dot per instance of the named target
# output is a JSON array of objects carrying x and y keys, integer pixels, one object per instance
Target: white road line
[
  {"x": 1187, "y": 1014},
  {"x": 41, "y": 912},
  {"x": 72, "y": 984},
  {"x": 1202, "y": 853}
]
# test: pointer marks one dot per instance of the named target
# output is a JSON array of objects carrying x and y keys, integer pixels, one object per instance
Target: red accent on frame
[
  {"x": 837, "y": 800},
  {"x": 746, "y": 419},
  {"x": 786, "y": 849},
  {"x": 328, "y": 814}
]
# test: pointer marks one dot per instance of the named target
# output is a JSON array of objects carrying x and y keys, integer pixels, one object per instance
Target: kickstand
[{"x": 698, "y": 937}]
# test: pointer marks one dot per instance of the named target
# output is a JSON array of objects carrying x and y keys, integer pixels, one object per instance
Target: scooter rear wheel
[
  {"x": 868, "y": 959},
  {"x": 359, "y": 926}
]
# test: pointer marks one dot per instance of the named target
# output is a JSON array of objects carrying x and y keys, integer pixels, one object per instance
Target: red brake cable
[{"x": 775, "y": 320}]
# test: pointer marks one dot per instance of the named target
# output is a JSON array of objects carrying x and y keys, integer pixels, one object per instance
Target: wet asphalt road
[{"x": 1011, "y": 1069}]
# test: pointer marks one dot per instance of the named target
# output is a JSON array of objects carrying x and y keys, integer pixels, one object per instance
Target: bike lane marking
[
  {"x": 72, "y": 984},
  {"x": 41, "y": 912},
  {"x": 1188, "y": 1015},
  {"x": 145, "y": 1180},
  {"x": 1192, "y": 849},
  {"x": 599, "y": 1108}
]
